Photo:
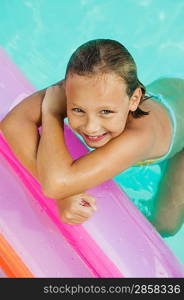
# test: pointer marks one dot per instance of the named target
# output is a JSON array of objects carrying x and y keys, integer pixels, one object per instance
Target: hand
[
  {"x": 76, "y": 209},
  {"x": 55, "y": 101}
]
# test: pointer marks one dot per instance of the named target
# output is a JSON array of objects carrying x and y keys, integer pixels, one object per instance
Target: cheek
[
  {"x": 118, "y": 125},
  {"x": 73, "y": 121}
]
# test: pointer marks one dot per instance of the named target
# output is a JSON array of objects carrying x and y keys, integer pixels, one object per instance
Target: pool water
[{"x": 40, "y": 36}]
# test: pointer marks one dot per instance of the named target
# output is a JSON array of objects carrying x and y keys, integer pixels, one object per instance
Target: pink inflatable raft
[{"x": 116, "y": 242}]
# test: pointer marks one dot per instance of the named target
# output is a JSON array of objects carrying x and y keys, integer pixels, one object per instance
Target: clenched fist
[
  {"x": 76, "y": 209},
  {"x": 55, "y": 101}
]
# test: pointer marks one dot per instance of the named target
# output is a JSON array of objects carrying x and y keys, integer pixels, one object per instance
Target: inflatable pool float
[{"x": 117, "y": 241}]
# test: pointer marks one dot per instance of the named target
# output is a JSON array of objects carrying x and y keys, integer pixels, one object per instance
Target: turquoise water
[{"x": 40, "y": 36}]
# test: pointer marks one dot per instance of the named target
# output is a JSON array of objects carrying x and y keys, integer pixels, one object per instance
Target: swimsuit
[{"x": 169, "y": 92}]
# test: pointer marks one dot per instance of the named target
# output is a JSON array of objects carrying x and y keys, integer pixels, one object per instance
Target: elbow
[
  {"x": 48, "y": 193},
  {"x": 62, "y": 186},
  {"x": 53, "y": 193},
  {"x": 55, "y": 190}
]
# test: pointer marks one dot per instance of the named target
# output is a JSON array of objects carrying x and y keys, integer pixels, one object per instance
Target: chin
[{"x": 97, "y": 145}]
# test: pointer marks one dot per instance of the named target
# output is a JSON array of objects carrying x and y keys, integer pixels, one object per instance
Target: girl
[{"x": 105, "y": 104}]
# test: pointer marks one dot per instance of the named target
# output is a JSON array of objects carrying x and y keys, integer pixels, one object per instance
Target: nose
[{"x": 92, "y": 126}]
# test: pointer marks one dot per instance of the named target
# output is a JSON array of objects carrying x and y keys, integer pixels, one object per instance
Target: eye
[
  {"x": 107, "y": 111},
  {"x": 78, "y": 110}
]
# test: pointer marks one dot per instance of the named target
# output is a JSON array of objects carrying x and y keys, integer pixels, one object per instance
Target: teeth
[{"x": 95, "y": 136}]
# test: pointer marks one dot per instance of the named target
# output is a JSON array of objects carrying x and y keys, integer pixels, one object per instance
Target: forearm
[
  {"x": 53, "y": 159},
  {"x": 23, "y": 138}
]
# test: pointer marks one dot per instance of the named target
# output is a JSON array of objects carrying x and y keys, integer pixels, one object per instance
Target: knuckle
[
  {"x": 88, "y": 213},
  {"x": 63, "y": 219},
  {"x": 67, "y": 216}
]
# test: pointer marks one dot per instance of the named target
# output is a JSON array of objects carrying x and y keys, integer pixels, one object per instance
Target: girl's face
[{"x": 98, "y": 107}]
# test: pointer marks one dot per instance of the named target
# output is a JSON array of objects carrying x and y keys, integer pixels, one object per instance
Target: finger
[
  {"x": 75, "y": 221},
  {"x": 88, "y": 203},
  {"x": 88, "y": 200},
  {"x": 80, "y": 210},
  {"x": 84, "y": 210},
  {"x": 92, "y": 201},
  {"x": 85, "y": 214},
  {"x": 75, "y": 216}
]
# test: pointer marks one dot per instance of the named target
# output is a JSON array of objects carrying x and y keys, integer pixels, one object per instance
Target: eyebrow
[{"x": 101, "y": 107}]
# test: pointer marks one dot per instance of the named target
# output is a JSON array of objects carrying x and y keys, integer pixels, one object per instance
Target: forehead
[{"x": 106, "y": 87}]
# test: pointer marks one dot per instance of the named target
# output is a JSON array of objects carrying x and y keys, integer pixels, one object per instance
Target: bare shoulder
[
  {"x": 145, "y": 134},
  {"x": 28, "y": 109},
  {"x": 159, "y": 124},
  {"x": 138, "y": 139}
]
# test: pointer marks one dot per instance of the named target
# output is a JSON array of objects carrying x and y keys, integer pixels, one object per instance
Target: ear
[
  {"x": 64, "y": 83},
  {"x": 135, "y": 99}
]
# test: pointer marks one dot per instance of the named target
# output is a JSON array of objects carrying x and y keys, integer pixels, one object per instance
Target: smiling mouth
[{"x": 95, "y": 138}]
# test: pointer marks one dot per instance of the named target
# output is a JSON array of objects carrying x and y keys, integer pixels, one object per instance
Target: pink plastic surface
[
  {"x": 2, "y": 274},
  {"x": 116, "y": 242}
]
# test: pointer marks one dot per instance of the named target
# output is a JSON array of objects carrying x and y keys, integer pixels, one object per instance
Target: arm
[
  {"x": 20, "y": 128},
  {"x": 60, "y": 176}
]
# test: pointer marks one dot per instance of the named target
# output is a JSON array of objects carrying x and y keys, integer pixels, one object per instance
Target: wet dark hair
[{"x": 102, "y": 56}]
